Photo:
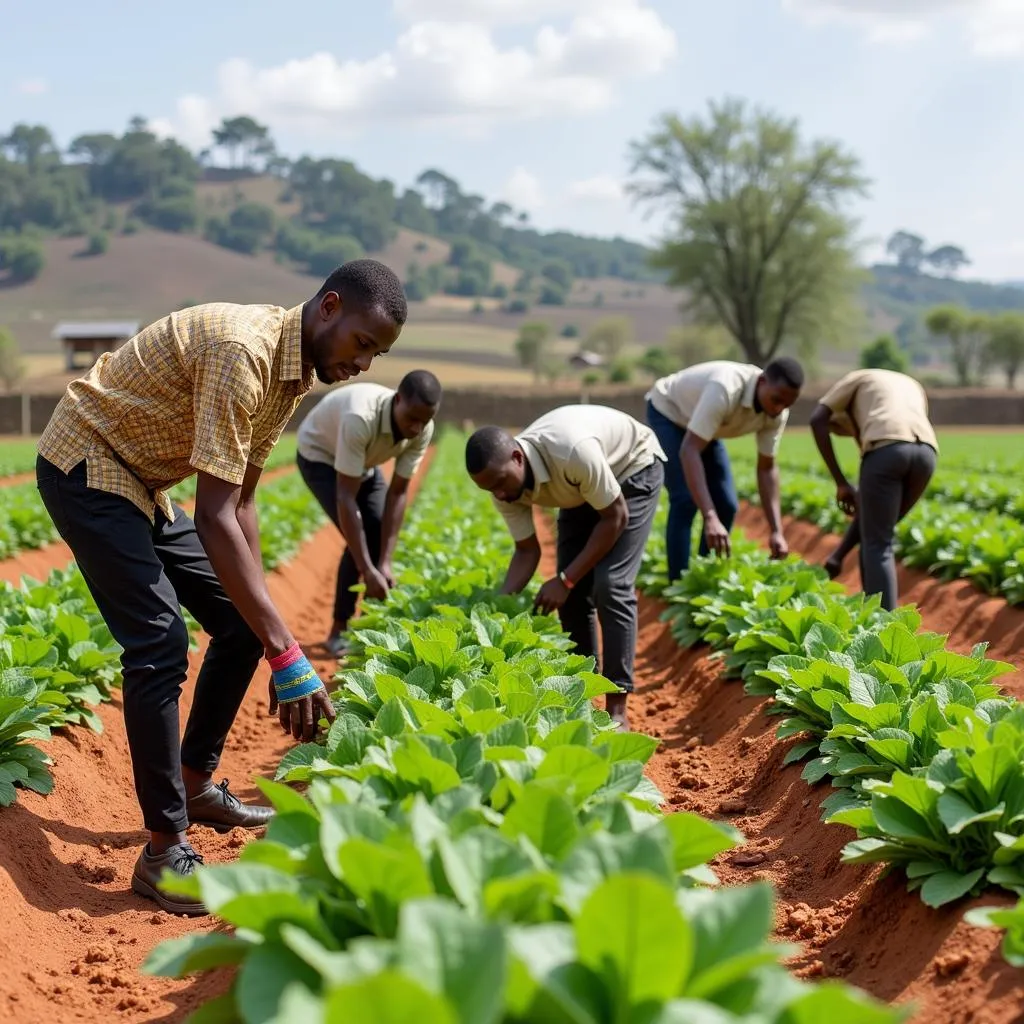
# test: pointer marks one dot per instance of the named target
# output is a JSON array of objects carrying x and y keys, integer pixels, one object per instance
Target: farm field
[{"x": 440, "y": 691}]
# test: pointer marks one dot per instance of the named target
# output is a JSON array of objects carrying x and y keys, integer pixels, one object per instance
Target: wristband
[
  {"x": 293, "y": 675},
  {"x": 566, "y": 582}
]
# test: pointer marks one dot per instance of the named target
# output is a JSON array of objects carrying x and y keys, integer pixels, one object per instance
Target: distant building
[
  {"x": 584, "y": 360},
  {"x": 91, "y": 338}
]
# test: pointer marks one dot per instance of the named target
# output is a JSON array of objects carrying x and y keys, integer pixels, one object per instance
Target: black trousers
[
  {"x": 140, "y": 574},
  {"x": 322, "y": 480},
  {"x": 607, "y": 594},
  {"x": 892, "y": 480}
]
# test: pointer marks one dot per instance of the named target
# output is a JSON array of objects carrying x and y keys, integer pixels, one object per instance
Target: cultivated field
[{"x": 75, "y": 936}]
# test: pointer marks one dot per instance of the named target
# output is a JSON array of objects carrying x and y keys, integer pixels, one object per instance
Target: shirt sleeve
[
  {"x": 769, "y": 438},
  {"x": 711, "y": 411},
  {"x": 518, "y": 518},
  {"x": 409, "y": 461},
  {"x": 839, "y": 396},
  {"x": 588, "y": 469},
  {"x": 227, "y": 394},
  {"x": 354, "y": 436}
]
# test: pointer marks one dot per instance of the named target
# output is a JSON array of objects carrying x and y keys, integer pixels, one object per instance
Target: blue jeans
[{"x": 682, "y": 509}]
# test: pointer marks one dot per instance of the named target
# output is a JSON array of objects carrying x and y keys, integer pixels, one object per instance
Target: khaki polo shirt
[
  {"x": 579, "y": 454},
  {"x": 878, "y": 408},
  {"x": 715, "y": 400},
  {"x": 350, "y": 429},
  {"x": 207, "y": 389}
]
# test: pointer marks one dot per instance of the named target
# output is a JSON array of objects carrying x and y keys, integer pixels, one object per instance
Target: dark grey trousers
[
  {"x": 322, "y": 480},
  {"x": 892, "y": 480},
  {"x": 608, "y": 593}
]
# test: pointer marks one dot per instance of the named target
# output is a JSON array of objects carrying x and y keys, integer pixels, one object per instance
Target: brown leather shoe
[
  {"x": 182, "y": 860},
  {"x": 217, "y": 807}
]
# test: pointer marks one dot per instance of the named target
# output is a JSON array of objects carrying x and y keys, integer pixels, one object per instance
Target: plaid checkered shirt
[{"x": 207, "y": 389}]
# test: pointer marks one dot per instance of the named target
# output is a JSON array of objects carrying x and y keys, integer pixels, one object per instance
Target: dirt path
[
  {"x": 74, "y": 935},
  {"x": 719, "y": 758}
]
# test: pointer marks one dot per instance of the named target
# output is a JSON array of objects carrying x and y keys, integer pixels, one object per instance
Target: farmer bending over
[
  {"x": 887, "y": 414},
  {"x": 604, "y": 471},
  {"x": 206, "y": 390},
  {"x": 691, "y": 411},
  {"x": 343, "y": 442}
]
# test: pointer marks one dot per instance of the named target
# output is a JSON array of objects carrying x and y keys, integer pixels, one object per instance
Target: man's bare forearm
[
  {"x": 771, "y": 503},
  {"x": 394, "y": 515},
  {"x": 521, "y": 569},
  {"x": 351, "y": 521}
]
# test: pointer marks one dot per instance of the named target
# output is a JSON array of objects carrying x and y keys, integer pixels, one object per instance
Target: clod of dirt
[
  {"x": 95, "y": 873},
  {"x": 99, "y": 954},
  {"x": 953, "y": 963},
  {"x": 732, "y": 805},
  {"x": 799, "y": 916},
  {"x": 745, "y": 744},
  {"x": 693, "y": 743},
  {"x": 158, "y": 919},
  {"x": 748, "y": 859},
  {"x": 815, "y": 969}
]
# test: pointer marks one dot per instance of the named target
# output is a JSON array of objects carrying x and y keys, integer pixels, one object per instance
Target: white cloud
[
  {"x": 448, "y": 71},
  {"x": 523, "y": 190},
  {"x": 32, "y": 86},
  {"x": 602, "y": 188},
  {"x": 995, "y": 28}
]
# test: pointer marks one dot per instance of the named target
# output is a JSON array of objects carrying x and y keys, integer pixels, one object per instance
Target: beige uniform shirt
[
  {"x": 579, "y": 454},
  {"x": 350, "y": 429},
  {"x": 878, "y": 408},
  {"x": 209, "y": 388},
  {"x": 715, "y": 400}
]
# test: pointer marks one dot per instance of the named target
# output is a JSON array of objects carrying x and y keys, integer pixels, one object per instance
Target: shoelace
[
  {"x": 185, "y": 860},
  {"x": 230, "y": 799}
]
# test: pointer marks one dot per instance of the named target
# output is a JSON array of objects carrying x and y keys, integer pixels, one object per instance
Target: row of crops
[
  {"x": 475, "y": 842},
  {"x": 58, "y": 660},
  {"x": 923, "y": 751},
  {"x": 968, "y": 526},
  {"x": 25, "y": 524}
]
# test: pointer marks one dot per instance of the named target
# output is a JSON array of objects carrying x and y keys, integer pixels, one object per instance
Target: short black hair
[
  {"x": 421, "y": 387},
  {"x": 785, "y": 370},
  {"x": 487, "y": 447},
  {"x": 366, "y": 284}
]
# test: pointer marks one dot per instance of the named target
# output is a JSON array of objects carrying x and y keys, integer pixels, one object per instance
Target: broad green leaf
[
  {"x": 947, "y": 886},
  {"x": 543, "y": 816},
  {"x": 633, "y": 936}
]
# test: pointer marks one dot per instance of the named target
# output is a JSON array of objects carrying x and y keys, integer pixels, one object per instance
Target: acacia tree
[
  {"x": 967, "y": 334},
  {"x": 758, "y": 235},
  {"x": 532, "y": 346},
  {"x": 1006, "y": 345}
]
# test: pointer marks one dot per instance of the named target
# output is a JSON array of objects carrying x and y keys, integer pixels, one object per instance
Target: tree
[
  {"x": 908, "y": 251},
  {"x": 759, "y": 240},
  {"x": 656, "y": 362},
  {"x": 22, "y": 258},
  {"x": 11, "y": 367},
  {"x": 1006, "y": 345},
  {"x": 696, "y": 344},
  {"x": 966, "y": 333},
  {"x": 610, "y": 336},
  {"x": 883, "y": 354},
  {"x": 31, "y": 145},
  {"x": 947, "y": 259},
  {"x": 246, "y": 136},
  {"x": 532, "y": 346}
]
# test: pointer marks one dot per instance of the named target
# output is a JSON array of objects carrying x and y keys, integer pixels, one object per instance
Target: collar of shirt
[
  {"x": 291, "y": 345},
  {"x": 384, "y": 427},
  {"x": 749, "y": 394},
  {"x": 541, "y": 475}
]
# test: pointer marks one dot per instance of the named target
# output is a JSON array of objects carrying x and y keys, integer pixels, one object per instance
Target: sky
[{"x": 537, "y": 101}]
